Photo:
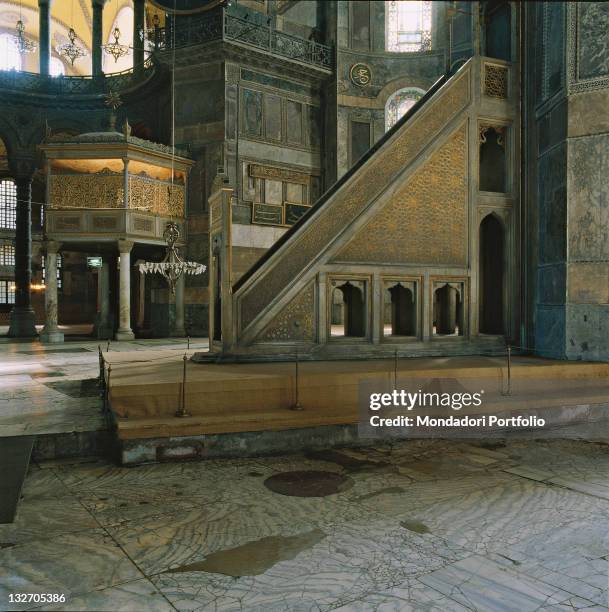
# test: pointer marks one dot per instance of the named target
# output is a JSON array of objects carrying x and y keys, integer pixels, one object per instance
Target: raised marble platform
[{"x": 241, "y": 399}]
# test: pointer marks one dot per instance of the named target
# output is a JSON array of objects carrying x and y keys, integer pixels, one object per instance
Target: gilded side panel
[
  {"x": 301, "y": 309},
  {"x": 426, "y": 220},
  {"x": 86, "y": 191},
  {"x": 371, "y": 179},
  {"x": 156, "y": 196}
]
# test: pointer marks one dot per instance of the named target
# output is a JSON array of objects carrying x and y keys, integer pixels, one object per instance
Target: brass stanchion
[
  {"x": 108, "y": 346},
  {"x": 296, "y": 405},
  {"x": 509, "y": 368},
  {"x": 181, "y": 411},
  {"x": 395, "y": 369},
  {"x": 107, "y": 395},
  {"x": 188, "y": 342}
]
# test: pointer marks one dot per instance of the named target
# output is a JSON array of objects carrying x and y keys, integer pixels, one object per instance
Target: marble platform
[{"x": 236, "y": 409}]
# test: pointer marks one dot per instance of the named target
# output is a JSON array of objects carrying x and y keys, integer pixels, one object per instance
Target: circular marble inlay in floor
[{"x": 308, "y": 483}]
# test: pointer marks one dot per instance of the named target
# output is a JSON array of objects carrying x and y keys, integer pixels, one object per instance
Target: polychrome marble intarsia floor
[{"x": 416, "y": 526}]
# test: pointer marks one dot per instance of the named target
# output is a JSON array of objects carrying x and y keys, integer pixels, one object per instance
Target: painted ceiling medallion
[{"x": 360, "y": 75}]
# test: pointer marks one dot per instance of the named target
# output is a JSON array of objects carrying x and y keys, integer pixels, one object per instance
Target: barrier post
[{"x": 181, "y": 411}]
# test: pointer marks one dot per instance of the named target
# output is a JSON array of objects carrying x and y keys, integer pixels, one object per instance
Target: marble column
[
  {"x": 22, "y": 318},
  {"x": 96, "y": 43},
  {"x": 179, "y": 330},
  {"x": 138, "y": 29},
  {"x": 50, "y": 332},
  {"x": 44, "y": 36},
  {"x": 103, "y": 325},
  {"x": 124, "y": 331}
]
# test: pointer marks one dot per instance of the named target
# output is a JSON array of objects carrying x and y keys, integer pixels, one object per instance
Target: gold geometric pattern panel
[
  {"x": 301, "y": 309},
  {"x": 425, "y": 220},
  {"x": 371, "y": 179},
  {"x": 156, "y": 197},
  {"x": 496, "y": 81},
  {"x": 86, "y": 191}
]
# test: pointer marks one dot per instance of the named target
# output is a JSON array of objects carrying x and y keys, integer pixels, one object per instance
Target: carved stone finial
[{"x": 126, "y": 128}]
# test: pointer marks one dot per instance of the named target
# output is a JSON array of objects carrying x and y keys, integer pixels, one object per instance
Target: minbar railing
[
  {"x": 31, "y": 82},
  {"x": 220, "y": 25}
]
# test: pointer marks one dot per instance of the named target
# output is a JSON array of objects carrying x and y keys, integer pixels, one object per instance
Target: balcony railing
[
  {"x": 220, "y": 25},
  {"x": 32, "y": 82}
]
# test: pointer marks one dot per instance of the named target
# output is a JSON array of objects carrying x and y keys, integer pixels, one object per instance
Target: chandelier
[
  {"x": 21, "y": 42},
  {"x": 70, "y": 49},
  {"x": 172, "y": 267},
  {"x": 115, "y": 49}
]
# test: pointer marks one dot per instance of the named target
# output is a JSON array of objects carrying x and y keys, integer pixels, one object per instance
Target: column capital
[
  {"x": 52, "y": 246},
  {"x": 125, "y": 246},
  {"x": 22, "y": 167},
  {"x": 45, "y": 3}
]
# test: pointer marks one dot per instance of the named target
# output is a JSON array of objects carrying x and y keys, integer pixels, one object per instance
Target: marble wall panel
[
  {"x": 552, "y": 192},
  {"x": 252, "y": 112},
  {"x": 587, "y": 331},
  {"x": 593, "y": 42},
  {"x": 551, "y": 281},
  {"x": 588, "y": 283},
  {"x": 588, "y": 199},
  {"x": 550, "y": 331}
]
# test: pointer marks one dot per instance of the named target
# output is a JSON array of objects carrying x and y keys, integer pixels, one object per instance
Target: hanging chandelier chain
[{"x": 71, "y": 49}]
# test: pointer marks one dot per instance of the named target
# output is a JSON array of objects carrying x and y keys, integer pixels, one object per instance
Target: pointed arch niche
[
  {"x": 491, "y": 278},
  {"x": 348, "y": 312},
  {"x": 400, "y": 308},
  {"x": 448, "y": 308}
]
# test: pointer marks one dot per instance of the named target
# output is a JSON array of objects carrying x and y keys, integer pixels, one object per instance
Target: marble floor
[
  {"x": 49, "y": 388},
  {"x": 418, "y": 525}
]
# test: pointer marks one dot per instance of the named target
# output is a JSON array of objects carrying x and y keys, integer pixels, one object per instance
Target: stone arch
[
  {"x": 399, "y": 102},
  {"x": 491, "y": 277}
]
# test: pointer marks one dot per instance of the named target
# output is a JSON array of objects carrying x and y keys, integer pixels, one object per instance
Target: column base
[
  {"x": 178, "y": 333},
  {"x": 22, "y": 323},
  {"x": 124, "y": 335},
  {"x": 51, "y": 337}
]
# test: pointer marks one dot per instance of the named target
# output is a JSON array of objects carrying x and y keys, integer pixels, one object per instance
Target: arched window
[
  {"x": 124, "y": 22},
  {"x": 408, "y": 25},
  {"x": 56, "y": 67},
  {"x": 8, "y": 204},
  {"x": 10, "y": 59},
  {"x": 399, "y": 103}
]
